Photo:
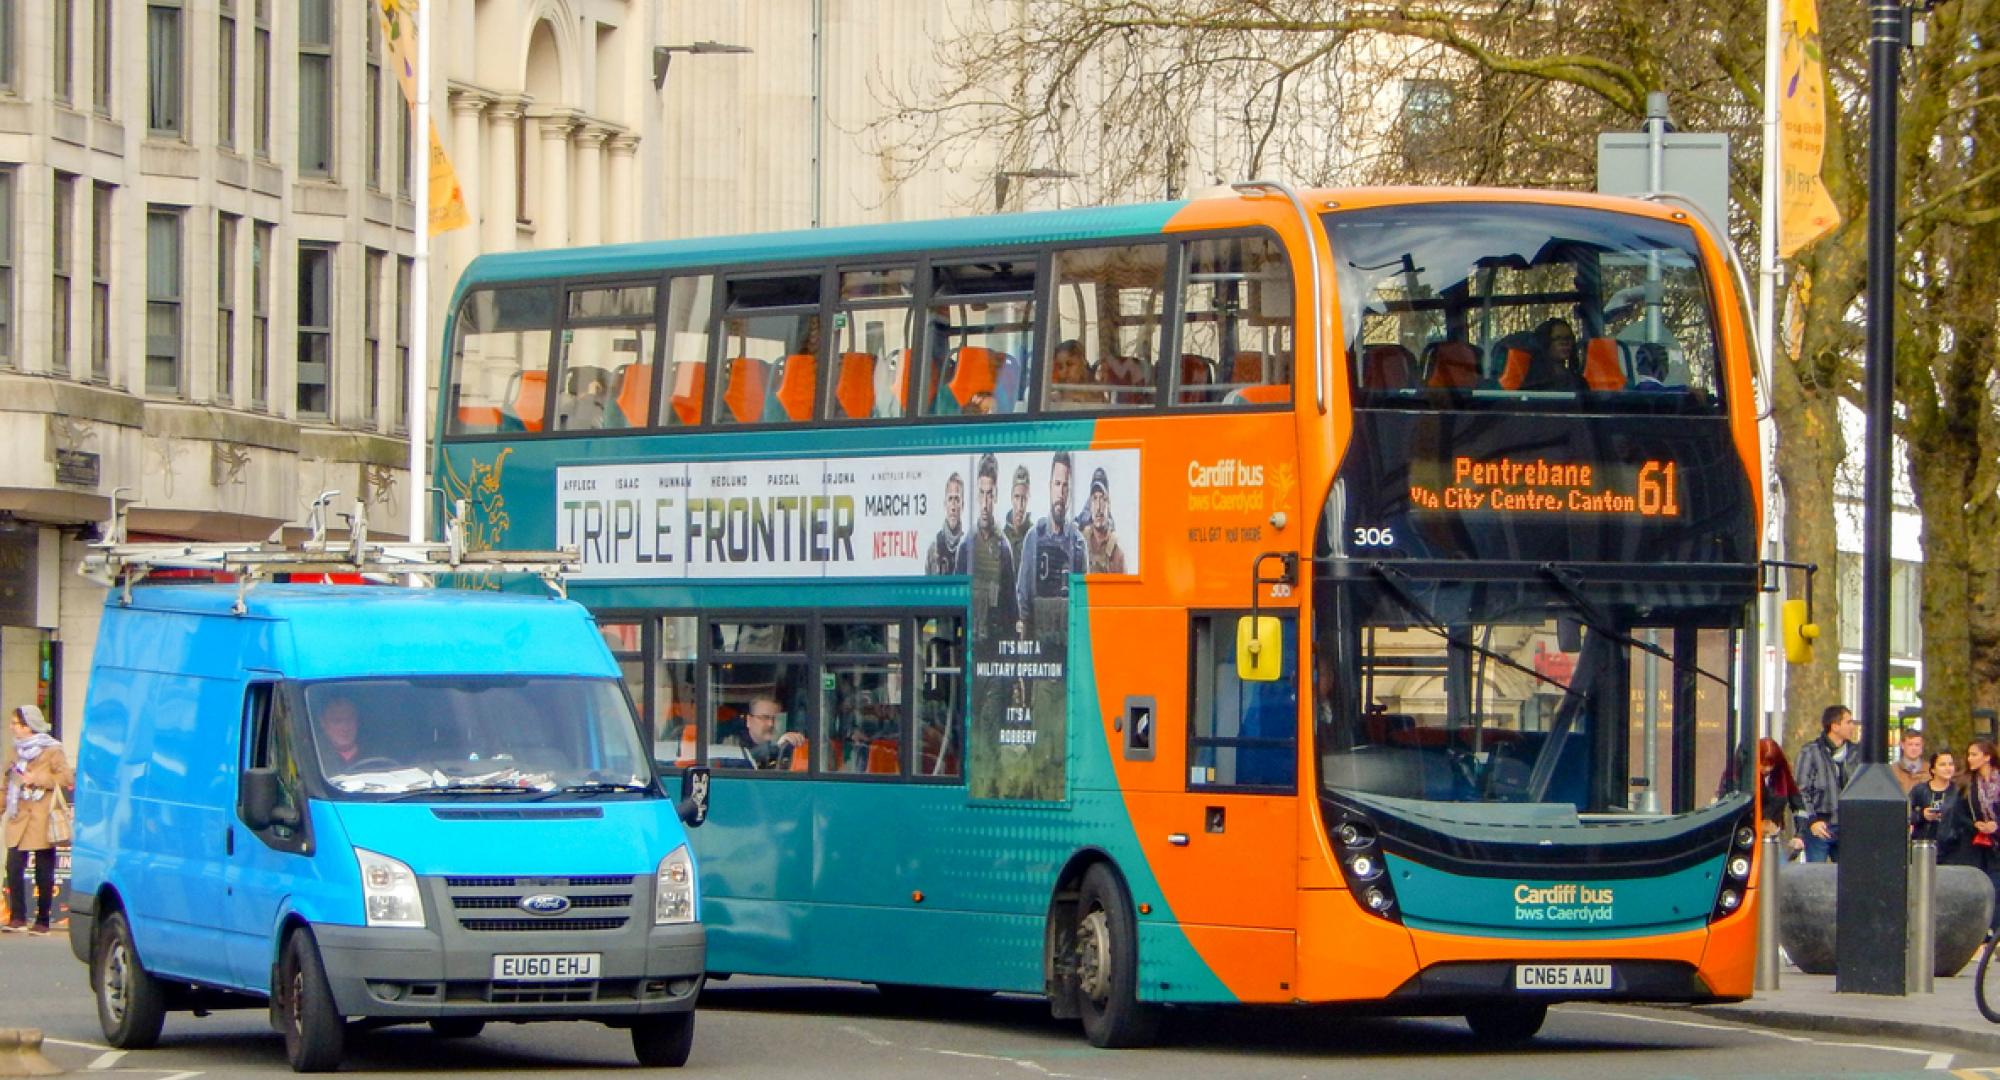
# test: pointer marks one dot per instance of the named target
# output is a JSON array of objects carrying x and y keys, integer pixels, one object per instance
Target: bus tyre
[
  {"x": 1506, "y": 1022},
  {"x": 131, "y": 1004},
  {"x": 314, "y": 1030},
  {"x": 1106, "y": 961},
  {"x": 457, "y": 1027},
  {"x": 663, "y": 1041}
]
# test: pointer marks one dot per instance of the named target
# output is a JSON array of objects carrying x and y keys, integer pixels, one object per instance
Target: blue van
[{"x": 376, "y": 805}]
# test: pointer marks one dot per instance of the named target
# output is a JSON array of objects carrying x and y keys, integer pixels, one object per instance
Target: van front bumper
[{"x": 425, "y": 974}]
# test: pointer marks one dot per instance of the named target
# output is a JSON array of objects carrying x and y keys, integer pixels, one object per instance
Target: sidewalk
[{"x": 1946, "y": 1017}]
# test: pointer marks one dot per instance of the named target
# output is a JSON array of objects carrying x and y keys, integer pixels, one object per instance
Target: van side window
[{"x": 267, "y": 741}]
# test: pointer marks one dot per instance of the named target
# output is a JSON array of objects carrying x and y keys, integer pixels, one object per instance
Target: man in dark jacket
[{"x": 1822, "y": 774}]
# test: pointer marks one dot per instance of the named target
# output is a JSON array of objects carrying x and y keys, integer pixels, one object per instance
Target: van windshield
[{"x": 499, "y": 737}]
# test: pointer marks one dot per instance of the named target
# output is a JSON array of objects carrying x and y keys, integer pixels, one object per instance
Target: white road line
[
  {"x": 99, "y": 1047},
  {"x": 1031, "y": 1066},
  {"x": 105, "y": 1060},
  {"x": 1931, "y": 1057},
  {"x": 868, "y": 1037},
  {"x": 182, "y": 1075}
]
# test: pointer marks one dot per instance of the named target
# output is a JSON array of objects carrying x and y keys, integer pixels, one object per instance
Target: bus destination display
[{"x": 1540, "y": 486}]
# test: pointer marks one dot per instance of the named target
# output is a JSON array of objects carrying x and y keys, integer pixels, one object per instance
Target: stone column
[
  {"x": 468, "y": 107},
  {"x": 619, "y": 208},
  {"x": 587, "y": 219},
  {"x": 552, "y": 209},
  {"x": 502, "y": 196}
]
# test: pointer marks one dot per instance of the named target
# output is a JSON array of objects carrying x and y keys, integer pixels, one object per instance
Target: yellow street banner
[
  {"x": 1805, "y": 210},
  {"x": 399, "y": 36}
]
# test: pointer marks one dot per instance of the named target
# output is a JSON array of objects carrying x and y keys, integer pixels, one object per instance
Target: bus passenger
[
  {"x": 1554, "y": 363},
  {"x": 1650, "y": 363},
  {"x": 1102, "y": 553},
  {"x": 987, "y": 555},
  {"x": 1052, "y": 550},
  {"x": 1018, "y": 521},
  {"x": 943, "y": 556},
  {"x": 762, "y": 746},
  {"x": 1070, "y": 382}
]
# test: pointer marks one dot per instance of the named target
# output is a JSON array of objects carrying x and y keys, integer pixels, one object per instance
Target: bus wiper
[
  {"x": 595, "y": 787},
  {"x": 1564, "y": 579},
  {"x": 1395, "y": 583}
]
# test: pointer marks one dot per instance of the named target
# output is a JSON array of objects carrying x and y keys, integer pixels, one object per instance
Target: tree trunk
[
  {"x": 1810, "y": 447},
  {"x": 1939, "y": 471}
]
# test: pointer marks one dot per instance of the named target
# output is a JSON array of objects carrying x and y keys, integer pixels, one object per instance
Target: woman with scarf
[
  {"x": 1977, "y": 815},
  {"x": 39, "y": 769}
]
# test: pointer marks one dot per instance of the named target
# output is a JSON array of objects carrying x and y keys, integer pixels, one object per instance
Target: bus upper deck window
[
  {"x": 605, "y": 359},
  {"x": 871, "y": 344},
  {"x": 1108, "y": 307},
  {"x": 500, "y": 361},
  {"x": 770, "y": 351},
  {"x": 1236, "y": 325},
  {"x": 980, "y": 338}
]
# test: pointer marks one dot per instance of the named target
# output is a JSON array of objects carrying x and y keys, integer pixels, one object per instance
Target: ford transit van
[{"x": 371, "y": 805}]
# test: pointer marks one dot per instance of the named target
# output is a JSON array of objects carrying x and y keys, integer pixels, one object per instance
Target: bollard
[
  {"x": 1871, "y": 920},
  {"x": 21, "y": 1053},
  {"x": 1771, "y": 854},
  {"x": 1921, "y": 959}
]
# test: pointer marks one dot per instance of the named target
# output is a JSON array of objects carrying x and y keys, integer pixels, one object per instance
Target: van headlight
[
  {"x": 389, "y": 891},
  {"x": 673, "y": 889}
]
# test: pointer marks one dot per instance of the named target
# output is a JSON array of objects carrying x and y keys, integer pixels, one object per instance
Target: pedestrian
[
  {"x": 1822, "y": 776},
  {"x": 1977, "y": 816},
  {"x": 1934, "y": 805},
  {"x": 1911, "y": 769},
  {"x": 1780, "y": 793},
  {"x": 39, "y": 771}
]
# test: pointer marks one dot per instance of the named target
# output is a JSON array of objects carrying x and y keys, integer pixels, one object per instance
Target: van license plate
[
  {"x": 1562, "y": 977},
  {"x": 546, "y": 965}
]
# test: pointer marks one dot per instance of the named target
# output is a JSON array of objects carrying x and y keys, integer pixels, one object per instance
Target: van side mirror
[
  {"x": 260, "y": 798},
  {"x": 1260, "y": 648},
  {"x": 694, "y": 795}
]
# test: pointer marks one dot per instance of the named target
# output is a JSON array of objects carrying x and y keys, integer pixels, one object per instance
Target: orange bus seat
[
  {"x": 635, "y": 393},
  {"x": 1248, "y": 367},
  {"x": 1603, "y": 365},
  {"x": 690, "y": 386},
  {"x": 854, "y": 388},
  {"x": 1516, "y": 375},
  {"x": 1195, "y": 371},
  {"x": 531, "y": 399},
  {"x": 745, "y": 393},
  {"x": 1126, "y": 371},
  {"x": 974, "y": 373},
  {"x": 885, "y": 757},
  {"x": 801, "y": 759},
  {"x": 1388, "y": 366},
  {"x": 798, "y": 385},
  {"x": 1454, "y": 366},
  {"x": 478, "y": 418}
]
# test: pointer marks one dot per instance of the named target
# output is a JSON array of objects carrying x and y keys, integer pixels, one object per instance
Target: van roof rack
[{"x": 118, "y": 563}]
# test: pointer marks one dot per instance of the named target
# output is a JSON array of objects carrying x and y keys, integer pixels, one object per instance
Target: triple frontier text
[
  {"x": 1565, "y": 903},
  {"x": 714, "y": 528}
]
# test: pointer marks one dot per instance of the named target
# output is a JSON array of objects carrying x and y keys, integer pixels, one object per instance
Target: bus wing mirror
[
  {"x": 1260, "y": 648},
  {"x": 1569, "y": 634},
  {"x": 694, "y": 795},
  {"x": 1799, "y": 632}
]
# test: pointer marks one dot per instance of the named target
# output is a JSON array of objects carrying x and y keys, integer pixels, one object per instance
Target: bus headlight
[
  {"x": 1729, "y": 901},
  {"x": 1739, "y": 867},
  {"x": 389, "y": 892},
  {"x": 673, "y": 889}
]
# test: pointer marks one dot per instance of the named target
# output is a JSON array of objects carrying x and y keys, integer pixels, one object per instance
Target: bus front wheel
[
  {"x": 1105, "y": 957},
  {"x": 1506, "y": 1022}
]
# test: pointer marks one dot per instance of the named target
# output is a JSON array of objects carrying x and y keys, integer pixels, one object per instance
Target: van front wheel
[
  {"x": 663, "y": 1041},
  {"x": 314, "y": 1031},
  {"x": 131, "y": 1006}
]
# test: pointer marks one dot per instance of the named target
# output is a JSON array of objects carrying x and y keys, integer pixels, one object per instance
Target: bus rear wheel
[
  {"x": 1105, "y": 957},
  {"x": 1506, "y": 1022}
]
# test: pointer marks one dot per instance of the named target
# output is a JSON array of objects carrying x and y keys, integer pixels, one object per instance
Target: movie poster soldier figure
[{"x": 943, "y": 555}]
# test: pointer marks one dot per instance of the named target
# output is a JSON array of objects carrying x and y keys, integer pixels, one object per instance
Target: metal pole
[
  {"x": 1772, "y": 653},
  {"x": 1769, "y": 856},
  {"x": 1921, "y": 963},
  {"x": 1885, "y": 45},
  {"x": 418, "y": 388}
]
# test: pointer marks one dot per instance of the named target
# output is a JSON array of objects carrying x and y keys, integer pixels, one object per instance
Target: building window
[
  {"x": 101, "y": 57},
  {"x": 225, "y": 307},
  {"x": 371, "y": 334},
  {"x": 65, "y": 49},
  {"x": 6, "y": 266},
  {"x": 260, "y": 315},
  {"x": 316, "y": 87},
  {"x": 8, "y": 76},
  {"x": 401, "y": 394},
  {"x": 405, "y": 175},
  {"x": 315, "y": 329},
  {"x": 100, "y": 283},
  {"x": 372, "y": 86},
  {"x": 225, "y": 76},
  {"x": 163, "y": 70},
  {"x": 61, "y": 263},
  {"x": 163, "y": 300},
  {"x": 261, "y": 87}
]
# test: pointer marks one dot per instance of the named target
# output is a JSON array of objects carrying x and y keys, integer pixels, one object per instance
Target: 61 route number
[{"x": 1369, "y": 536}]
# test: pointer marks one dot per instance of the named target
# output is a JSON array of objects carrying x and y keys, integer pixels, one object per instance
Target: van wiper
[
  {"x": 595, "y": 787},
  {"x": 1565, "y": 580},
  {"x": 461, "y": 789}
]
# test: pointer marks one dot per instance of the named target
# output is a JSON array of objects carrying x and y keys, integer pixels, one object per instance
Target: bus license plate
[
  {"x": 1562, "y": 977},
  {"x": 533, "y": 966}
]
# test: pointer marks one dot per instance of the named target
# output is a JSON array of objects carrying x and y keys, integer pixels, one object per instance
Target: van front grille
[
  {"x": 491, "y": 904},
  {"x": 523, "y": 926}
]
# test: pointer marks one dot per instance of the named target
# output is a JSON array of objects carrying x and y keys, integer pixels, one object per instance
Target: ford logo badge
[{"x": 545, "y": 904}]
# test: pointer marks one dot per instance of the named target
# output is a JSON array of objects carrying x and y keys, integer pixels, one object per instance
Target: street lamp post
[
  {"x": 1004, "y": 179},
  {"x": 663, "y": 56}
]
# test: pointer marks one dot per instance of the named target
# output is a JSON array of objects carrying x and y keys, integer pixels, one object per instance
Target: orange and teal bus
[{"x": 1264, "y": 597}]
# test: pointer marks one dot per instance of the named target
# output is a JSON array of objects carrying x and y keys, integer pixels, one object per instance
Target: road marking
[
  {"x": 1033, "y": 1067},
  {"x": 99, "y": 1047},
  {"x": 1932, "y": 1059},
  {"x": 106, "y": 1060},
  {"x": 868, "y": 1037}
]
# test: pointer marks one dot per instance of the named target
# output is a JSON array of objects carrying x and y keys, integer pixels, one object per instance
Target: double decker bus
[{"x": 1265, "y": 597}]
